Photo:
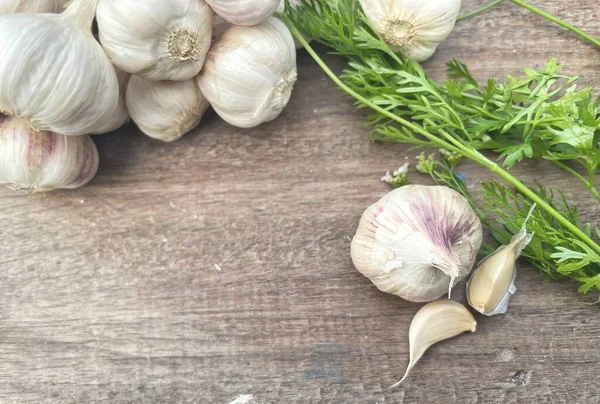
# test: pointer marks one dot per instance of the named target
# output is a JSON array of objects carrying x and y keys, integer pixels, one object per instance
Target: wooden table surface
[{"x": 217, "y": 269}]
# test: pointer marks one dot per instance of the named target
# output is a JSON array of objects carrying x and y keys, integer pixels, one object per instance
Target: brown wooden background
[{"x": 218, "y": 266}]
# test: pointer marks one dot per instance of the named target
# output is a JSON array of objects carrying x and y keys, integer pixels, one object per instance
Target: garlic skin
[
  {"x": 165, "y": 110},
  {"x": 43, "y": 161},
  {"x": 250, "y": 72},
  {"x": 55, "y": 76},
  {"x": 493, "y": 281},
  {"x": 244, "y": 12},
  {"x": 435, "y": 322},
  {"x": 413, "y": 27},
  {"x": 121, "y": 115},
  {"x": 31, "y": 6},
  {"x": 156, "y": 39},
  {"x": 417, "y": 242},
  {"x": 219, "y": 26}
]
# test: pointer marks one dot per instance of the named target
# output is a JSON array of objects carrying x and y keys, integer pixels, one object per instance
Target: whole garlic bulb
[
  {"x": 156, "y": 39},
  {"x": 244, "y": 12},
  {"x": 121, "y": 115},
  {"x": 250, "y": 73},
  {"x": 414, "y": 27},
  {"x": 165, "y": 110},
  {"x": 31, "y": 6},
  {"x": 417, "y": 241},
  {"x": 55, "y": 76},
  {"x": 43, "y": 161}
]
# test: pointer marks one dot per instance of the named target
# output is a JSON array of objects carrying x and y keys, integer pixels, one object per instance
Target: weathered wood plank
[{"x": 219, "y": 266}]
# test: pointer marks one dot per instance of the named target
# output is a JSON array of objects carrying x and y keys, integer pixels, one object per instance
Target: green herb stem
[
  {"x": 448, "y": 142},
  {"x": 359, "y": 97},
  {"x": 589, "y": 183},
  {"x": 558, "y": 21},
  {"x": 479, "y": 10}
]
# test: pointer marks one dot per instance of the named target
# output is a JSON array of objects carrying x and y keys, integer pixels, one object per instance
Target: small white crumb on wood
[
  {"x": 172, "y": 204},
  {"x": 195, "y": 217},
  {"x": 82, "y": 201},
  {"x": 217, "y": 267},
  {"x": 243, "y": 399}
]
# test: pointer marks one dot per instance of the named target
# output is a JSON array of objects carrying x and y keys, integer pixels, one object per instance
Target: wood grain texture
[{"x": 219, "y": 266}]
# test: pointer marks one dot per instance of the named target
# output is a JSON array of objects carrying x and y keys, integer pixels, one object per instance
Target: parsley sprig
[{"x": 465, "y": 118}]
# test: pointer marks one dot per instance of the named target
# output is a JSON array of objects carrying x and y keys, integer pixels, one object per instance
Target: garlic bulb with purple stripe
[
  {"x": 417, "y": 242},
  {"x": 35, "y": 161}
]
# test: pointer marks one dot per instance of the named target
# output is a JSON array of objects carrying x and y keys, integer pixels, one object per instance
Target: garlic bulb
[
  {"x": 55, "y": 76},
  {"x": 31, "y": 6},
  {"x": 244, "y": 12},
  {"x": 121, "y": 115},
  {"x": 165, "y": 110},
  {"x": 250, "y": 72},
  {"x": 42, "y": 161},
  {"x": 493, "y": 281},
  {"x": 414, "y": 27},
  {"x": 156, "y": 39},
  {"x": 417, "y": 242},
  {"x": 435, "y": 322}
]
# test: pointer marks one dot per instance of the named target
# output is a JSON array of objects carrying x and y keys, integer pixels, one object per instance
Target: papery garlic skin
[
  {"x": 43, "y": 161},
  {"x": 417, "y": 242},
  {"x": 55, "y": 76},
  {"x": 121, "y": 116},
  {"x": 493, "y": 281},
  {"x": 435, "y": 322},
  {"x": 219, "y": 27},
  {"x": 31, "y": 6},
  {"x": 250, "y": 72},
  {"x": 156, "y": 39},
  {"x": 165, "y": 110},
  {"x": 244, "y": 12},
  {"x": 413, "y": 27}
]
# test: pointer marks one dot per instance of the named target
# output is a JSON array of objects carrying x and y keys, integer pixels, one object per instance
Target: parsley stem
[
  {"x": 558, "y": 21},
  {"x": 447, "y": 141},
  {"x": 478, "y": 11},
  {"x": 588, "y": 183},
  {"x": 360, "y": 98}
]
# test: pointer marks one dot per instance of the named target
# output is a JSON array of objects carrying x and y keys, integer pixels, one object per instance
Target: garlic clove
[
  {"x": 31, "y": 6},
  {"x": 76, "y": 91},
  {"x": 120, "y": 116},
  {"x": 435, "y": 322},
  {"x": 165, "y": 110},
  {"x": 413, "y": 27},
  {"x": 250, "y": 72},
  {"x": 244, "y": 12},
  {"x": 35, "y": 161},
  {"x": 493, "y": 281},
  {"x": 417, "y": 242},
  {"x": 156, "y": 39}
]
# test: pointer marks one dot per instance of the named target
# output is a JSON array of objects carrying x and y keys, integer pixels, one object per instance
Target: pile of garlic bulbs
[{"x": 157, "y": 62}]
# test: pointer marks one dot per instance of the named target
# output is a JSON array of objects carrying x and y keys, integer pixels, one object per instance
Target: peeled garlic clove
[
  {"x": 493, "y": 281},
  {"x": 413, "y": 27},
  {"x": 156, "y": 39},
  {"x": 435, "y": 322},
  {"x": 43, "y": 161},
  {"x": 165, "y": 110},
  {"x": 244, "y": 12},
  {"x": 31, "y": 6},
  {"x": 417, "y": 242},
  {"x": 55, "y": 76},
  {"x": 250, "y": 72},
  {"x": 121, "y": 116}
]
